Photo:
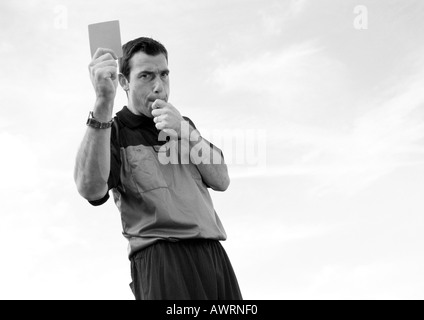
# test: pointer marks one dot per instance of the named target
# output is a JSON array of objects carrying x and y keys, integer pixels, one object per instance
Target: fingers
[
  {"x": 158, "y": 112},
  {"x": 166, "y": 117},
  {"x": 158, "y": 119},
  {"x": 101, "y": 59},
  {"x": 162, "y": 119},
  {"x": 108, "y": 72},
  {"x": 105, "y": 64},
  {"x": 104, "y": 60},
  {"x": 170, "y": 132},
  {"x": 164, "y": 126},
  {"x": 161, "y": 125},
  {"x": 158, "y": 103},
  {"x": 159, "y": 107},
  {"x": 104, "y": 69},
  {"x": 103, "y": 51}
]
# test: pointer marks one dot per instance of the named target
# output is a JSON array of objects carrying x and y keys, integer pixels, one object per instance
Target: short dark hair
[{"x": 143, "y": 44}]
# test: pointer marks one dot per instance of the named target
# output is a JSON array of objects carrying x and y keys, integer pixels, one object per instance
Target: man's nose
[{"x": 158, "y": 85}]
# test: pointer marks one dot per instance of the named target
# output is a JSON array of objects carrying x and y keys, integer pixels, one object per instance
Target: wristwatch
[{"x": 92, "y": 122}]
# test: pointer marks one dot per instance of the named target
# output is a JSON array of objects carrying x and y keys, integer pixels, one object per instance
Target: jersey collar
[{"x": 132, "y": 120}]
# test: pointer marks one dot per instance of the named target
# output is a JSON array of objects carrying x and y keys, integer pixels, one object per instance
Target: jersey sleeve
[{"x": 115, "y": 165}]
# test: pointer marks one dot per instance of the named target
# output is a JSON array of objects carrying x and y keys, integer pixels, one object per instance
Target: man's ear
[{"x": 124, "y": 82}]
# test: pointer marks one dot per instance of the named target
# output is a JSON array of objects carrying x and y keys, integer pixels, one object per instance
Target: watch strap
[{"x": 96, "y": 124}]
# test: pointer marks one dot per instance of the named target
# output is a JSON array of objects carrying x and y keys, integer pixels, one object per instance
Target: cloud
[
  {"x": 266, "y": 72},
  {"x": 276, "y": 232},
  {"x": 19, "y": 163},
  {"x": 296, "y": 84},
  {"x": 387, "y": 136},
  {"x": 317, "y": 126},
  {"x": 374, "y": 280},
  {"x": 279, "y": 13}
]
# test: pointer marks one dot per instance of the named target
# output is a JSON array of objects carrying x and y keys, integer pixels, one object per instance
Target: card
[{"x": 105, "y": 35}]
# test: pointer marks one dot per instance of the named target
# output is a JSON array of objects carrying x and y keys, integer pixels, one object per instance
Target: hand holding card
[
  {"x": 105, "y": 45},
  {"x": 105, "y": 35}
]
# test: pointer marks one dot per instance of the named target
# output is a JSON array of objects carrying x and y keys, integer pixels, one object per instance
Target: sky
[{"x": 318, "y": 107}]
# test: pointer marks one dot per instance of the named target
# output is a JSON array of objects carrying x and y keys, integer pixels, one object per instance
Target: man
[{"x": 167, "y": 213}]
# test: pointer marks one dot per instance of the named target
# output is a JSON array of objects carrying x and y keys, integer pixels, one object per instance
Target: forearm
[
  {"x": 92, "y": 165},
  {"x": 209, "y": 161}
]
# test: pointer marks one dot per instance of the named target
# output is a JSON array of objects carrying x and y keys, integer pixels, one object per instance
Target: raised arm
[{"x": 92, "y": 165}]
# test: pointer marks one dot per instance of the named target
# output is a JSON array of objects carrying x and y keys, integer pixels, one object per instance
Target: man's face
[{"x": 149, "y": 80}]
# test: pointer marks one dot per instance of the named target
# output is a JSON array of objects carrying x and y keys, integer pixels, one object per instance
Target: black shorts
[{"x": 184, "y": 270}]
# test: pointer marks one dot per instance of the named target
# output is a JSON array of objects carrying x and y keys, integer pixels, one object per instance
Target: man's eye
[
  {"x": 164, "y": 75},
  {"x": 144, "y": 76}
]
